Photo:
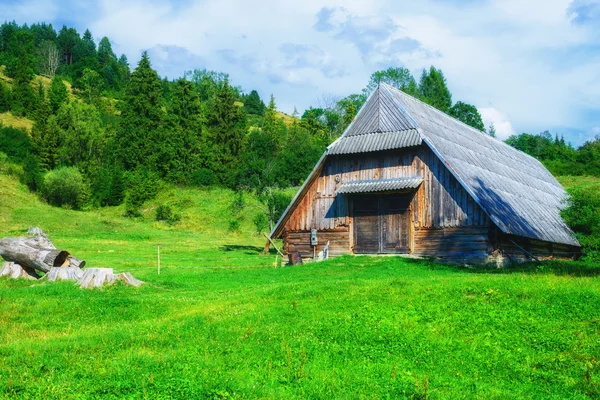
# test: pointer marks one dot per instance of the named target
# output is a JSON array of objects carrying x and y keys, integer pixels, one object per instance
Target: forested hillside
[{"x": 84, "y": 129}]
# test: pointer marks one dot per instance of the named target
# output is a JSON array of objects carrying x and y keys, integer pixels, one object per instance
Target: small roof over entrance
[{"x": 380, "y": 185}]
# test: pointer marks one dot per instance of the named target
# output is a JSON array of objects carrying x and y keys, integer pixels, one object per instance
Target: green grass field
[{"x": 221, "y": 322}]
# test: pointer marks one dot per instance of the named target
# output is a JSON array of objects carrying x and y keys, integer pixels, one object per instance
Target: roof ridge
[
  {"x": 457, "y": 120},
  {"x": 402, "y": 109}
]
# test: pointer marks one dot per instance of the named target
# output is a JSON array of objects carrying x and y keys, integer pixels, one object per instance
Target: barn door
[
  {"x": 381, "y": 224},
  {"x": 395, "y": 224},
  {"x": 366, "y": 225}
]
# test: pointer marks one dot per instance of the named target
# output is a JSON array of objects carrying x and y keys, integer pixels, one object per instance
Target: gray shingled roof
[
  {"x": 378, "y": 126},
  {"x": 514, "y": 189},
  {"x": 380, "y": 185}
]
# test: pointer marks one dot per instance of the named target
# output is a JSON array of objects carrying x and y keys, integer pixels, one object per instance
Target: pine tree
[
  {"x": 5, "y": 97},
  {"x": 434, "y": 89},
  {"x": 253, "y": 104},
  {"x": 58, "y": 94},
  {"x": 21, "y": 68},
  {"x": 105, "y": 52},
  {"x": 492, "y": 130},
  {"x": 141, "y": 116},
  {"x": 182, "y": 138},
  {"x": 227, "y": 129},
  {"x": 44, "y": 137}
]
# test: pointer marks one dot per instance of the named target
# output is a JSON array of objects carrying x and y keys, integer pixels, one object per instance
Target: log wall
[
  {"x": 440, "y": 209},
  {"x": 509, "y": 248}
]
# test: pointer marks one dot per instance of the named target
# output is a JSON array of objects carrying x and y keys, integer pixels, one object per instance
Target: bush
[
  {"x": 234, "y": 225},
  {"x": 583, "y": 216},
  {"x": 260, "y": 222},
  {"x": 65, "y": 187},
  {"x": 165, "y": 213},
  {"x": 204, "y": 177},
  {"x": 142, "y": 185}
]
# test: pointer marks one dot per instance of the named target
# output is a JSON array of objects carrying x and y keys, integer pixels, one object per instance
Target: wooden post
[
  {"x": 271, "y": 241},
  {"x": 158, "y": 247}
]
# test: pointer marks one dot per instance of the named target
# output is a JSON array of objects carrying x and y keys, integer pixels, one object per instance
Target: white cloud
[
  {"x": 490, "y": 115},
  {"x": 538, "y": 60}
]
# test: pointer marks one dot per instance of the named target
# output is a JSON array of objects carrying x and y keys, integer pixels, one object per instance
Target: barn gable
[{"x": 515, "y": 190}]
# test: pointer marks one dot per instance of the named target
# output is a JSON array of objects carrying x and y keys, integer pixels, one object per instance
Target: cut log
[
  {"x": 64, "y": 274},
  {"x": 74, "y": 262},
  {"x": 32, "y": 252},
  {"x": 15, "y": 271},
  {"x": 98, "y": 277}
]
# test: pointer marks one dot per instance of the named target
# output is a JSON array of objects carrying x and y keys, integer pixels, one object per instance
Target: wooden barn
[{"x": 405, "y": 178}]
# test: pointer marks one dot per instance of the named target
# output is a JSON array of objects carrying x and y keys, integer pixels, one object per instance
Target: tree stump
[
  {"x": 15, "y": 271},
  {"x": 64, "y": 274},
  {"x": 98, "y": 277},
  {"x": 127, "y": 279}
]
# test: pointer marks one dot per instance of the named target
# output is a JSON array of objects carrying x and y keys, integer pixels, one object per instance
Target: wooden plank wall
[
  {"x": 440, "y": 203},
  {"x": 511, "y": 247},
  {"x": 299, "y": 242},
  {"x": 458, "y": 243}
]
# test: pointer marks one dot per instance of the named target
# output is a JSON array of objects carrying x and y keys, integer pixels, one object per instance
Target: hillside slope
[{"x": 105, "y": 239}]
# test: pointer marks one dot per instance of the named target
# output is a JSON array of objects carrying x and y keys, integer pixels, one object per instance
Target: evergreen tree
[
  {"x": 21, "y": 62},
  {"x": 227, "y": 129},
  {"x": 21, "y": 68},
  {"x": 85, "y": 48},
  {"x": 273, "y": 125},
  {"x": 83, "y": 139},
  {"x": 182, "y": 138},
  {"x": 141, "y": 116},
  {"x": 492, "y": 130},
  {"x": 58, "y": 94},
  {"x": 434, "y": 90},
  {"x": 42, "y": 33},
  {"x": 253, "y": 104},
  {"x": 44, "y": 134},
  {"x": 105, "y": 52},
  {"x": 66, "y": 41},
  {"x": 91, "y": 84},
  {"x": 468, "y": 114},
  {"x": 5, "y": 97}
]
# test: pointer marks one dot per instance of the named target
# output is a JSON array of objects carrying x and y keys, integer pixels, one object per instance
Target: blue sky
[{"x": 527, "y": 65}]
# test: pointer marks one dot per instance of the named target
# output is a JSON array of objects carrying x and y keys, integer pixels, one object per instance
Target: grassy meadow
[{"x": 221, "y": 322}]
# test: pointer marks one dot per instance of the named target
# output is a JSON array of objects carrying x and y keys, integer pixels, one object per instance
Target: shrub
[
  {"x": 65, "y": 187},
  {"x": 260, "y": 222},
  {"x": 165, "y": 213},
  {"x": 203, "y": 177},
  {"x": 234, "y": 225},
  {"x": 142, "y": 185},
  {"x": 583, "y": 216}
]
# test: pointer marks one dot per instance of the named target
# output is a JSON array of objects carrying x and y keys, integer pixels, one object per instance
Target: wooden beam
[{"x": 270, "y": 241}]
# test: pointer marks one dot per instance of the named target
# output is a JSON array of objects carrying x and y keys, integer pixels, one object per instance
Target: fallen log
[
  {"x": 15, "y": 271},
  {"x": 36, "y": 252}
]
